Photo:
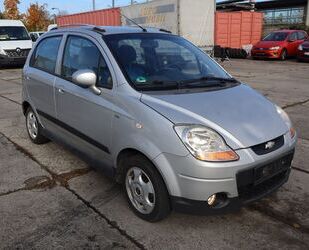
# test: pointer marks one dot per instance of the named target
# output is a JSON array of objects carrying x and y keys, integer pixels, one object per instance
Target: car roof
[
  {"x": 107, "y": 30},
  {"x": 8, "y": 22}
]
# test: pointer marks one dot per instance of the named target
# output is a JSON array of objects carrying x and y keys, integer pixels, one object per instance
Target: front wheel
[
  {"x": 145, "y": 189},
  {"x": 283, "y": 55}
]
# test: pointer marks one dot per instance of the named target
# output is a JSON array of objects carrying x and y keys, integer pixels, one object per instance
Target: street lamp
[{"x": 55, "y": 14}]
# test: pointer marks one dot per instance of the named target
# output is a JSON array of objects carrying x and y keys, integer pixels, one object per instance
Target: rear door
[
  {"x": 39, "y": 76},
  {"x": 85, "y": 119}
]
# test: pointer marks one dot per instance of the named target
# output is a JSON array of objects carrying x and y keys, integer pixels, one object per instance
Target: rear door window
[
  {"x": 45, "y": 55},
  {"x": 79, "y": 54}
]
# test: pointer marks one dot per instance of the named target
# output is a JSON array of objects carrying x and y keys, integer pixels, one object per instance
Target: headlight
[
  {"x": 287, "y": 121},
  {"x": 300, "y": 47},
  {"x": 2, "y": 52},
  {"x": 274, "y": 48},
  {"x": 205, "y": 144}
]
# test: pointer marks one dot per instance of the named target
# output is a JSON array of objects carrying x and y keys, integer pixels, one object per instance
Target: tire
[
  {"x": 140, "y": 175},
  {"x": 284, "y": 55},
  {"x": 34, "y": 128}
]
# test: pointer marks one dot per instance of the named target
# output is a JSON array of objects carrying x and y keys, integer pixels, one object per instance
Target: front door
[
  {"x": 293, "y": 44},
  {"x": 84, "y": 117}
]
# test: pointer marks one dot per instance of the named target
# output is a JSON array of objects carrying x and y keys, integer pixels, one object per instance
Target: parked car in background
[
  {"x": 15, "y": 42},
  {"x": 158, "y": 115},
  {"x": 279, "y": 44},
  {"x": 35, "y": 35},
  {"x": 303, "y": 51}
]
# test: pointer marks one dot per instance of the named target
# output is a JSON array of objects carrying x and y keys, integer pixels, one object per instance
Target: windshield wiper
[
  {"x": 211, "y": 78},
  {"x": 203, "y": 82},
  {"x": 208, "y": 82},
  {"x": 159, "y": 85}
]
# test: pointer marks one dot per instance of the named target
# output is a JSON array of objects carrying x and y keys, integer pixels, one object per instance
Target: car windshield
[
  {"x": 160, "y": 61},
  {"x": 13, "y": 33},
  {"x": 276, "y": 36}
]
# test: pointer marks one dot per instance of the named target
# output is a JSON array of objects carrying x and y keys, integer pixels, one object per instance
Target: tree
[
  {"x": 11, "y": 9},
  {"x": 37, "y": 17}
]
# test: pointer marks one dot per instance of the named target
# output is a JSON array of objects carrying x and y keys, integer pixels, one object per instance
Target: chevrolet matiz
[{"x": 159, "y": 116}]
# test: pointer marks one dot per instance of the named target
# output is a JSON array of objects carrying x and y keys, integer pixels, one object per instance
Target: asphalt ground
[{"x": 49, "y": 198}]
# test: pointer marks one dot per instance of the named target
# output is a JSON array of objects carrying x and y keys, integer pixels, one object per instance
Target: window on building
[{"x": 284, "y": 16}]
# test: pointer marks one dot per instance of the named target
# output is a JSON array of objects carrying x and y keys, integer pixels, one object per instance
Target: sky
[{"x": 72, "y": 6}]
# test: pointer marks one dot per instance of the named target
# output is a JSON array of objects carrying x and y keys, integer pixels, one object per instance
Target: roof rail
[
  {"x": 166, "y": 31},
  {"x": 95, "y": 28}
]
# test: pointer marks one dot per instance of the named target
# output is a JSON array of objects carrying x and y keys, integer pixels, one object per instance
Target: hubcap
[
  {"x": 32, "y": 125},
  {"x": 140, "y": 190}
]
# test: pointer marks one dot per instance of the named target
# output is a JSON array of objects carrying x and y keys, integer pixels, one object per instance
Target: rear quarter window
[{"x": 45, "y": 54}]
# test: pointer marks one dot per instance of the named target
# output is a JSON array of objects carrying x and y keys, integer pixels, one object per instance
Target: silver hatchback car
[{"x": 159, "y": 116}]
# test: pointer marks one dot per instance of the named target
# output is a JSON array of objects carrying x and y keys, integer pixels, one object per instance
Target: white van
[{"x": 15, "y": 42}]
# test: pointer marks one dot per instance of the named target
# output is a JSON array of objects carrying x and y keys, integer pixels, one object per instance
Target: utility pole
[
  {"x": 113, "y": 3},
  {"x": 93, "y": 4}
]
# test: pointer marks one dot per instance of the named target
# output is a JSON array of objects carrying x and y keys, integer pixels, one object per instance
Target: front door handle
[{"x": 61, "y": 91}]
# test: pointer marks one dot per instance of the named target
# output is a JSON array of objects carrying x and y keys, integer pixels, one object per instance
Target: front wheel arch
[
  {"x": 25, "y": 106},
  {"x": 284, "y": 54}
]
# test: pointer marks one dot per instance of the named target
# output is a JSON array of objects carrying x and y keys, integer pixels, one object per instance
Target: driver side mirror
[{"x": 86, "y": 78}]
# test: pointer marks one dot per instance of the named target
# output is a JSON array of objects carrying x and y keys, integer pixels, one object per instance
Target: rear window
[
  {"x": 8, "y": 33},
  {"x": 276, "y": 36},
  {"x": 45, "y": 55}
]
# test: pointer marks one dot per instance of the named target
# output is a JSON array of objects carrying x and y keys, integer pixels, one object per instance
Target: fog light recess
[
  {"x": 212, "y": 200},
  {"x": 217, "y": 200}
]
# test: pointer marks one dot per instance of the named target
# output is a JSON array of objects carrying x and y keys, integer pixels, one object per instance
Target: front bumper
[
  {"x": 271, "y": 54},
  {"x": 303, "y": 55},
  {"x": 192, "y": 182},
  {"x": 5, "y": 60}
]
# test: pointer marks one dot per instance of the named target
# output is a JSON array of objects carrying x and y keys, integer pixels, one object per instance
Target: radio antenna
[{"x": 132, "y": 21}]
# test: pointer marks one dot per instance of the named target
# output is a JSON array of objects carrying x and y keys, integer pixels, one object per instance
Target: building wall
[{"x": 307, "y": 18}]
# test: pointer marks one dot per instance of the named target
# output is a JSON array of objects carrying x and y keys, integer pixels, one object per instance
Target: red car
[
  {"x": 279, "y": 44},
  {"x": 303, "y": 51}
]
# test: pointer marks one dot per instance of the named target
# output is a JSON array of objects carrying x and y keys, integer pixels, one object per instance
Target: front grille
[
  {"x": 14, "y": 53},
  {"x": 268, "y": 147},
  {"x": 257, "y": 182},
  {"x": 306, "y": 49}
]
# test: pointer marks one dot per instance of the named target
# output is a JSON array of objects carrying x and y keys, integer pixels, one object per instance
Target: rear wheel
[
  {"x": 283, "y": 55},
  {"x": 34, "y": 128},
  {"x": 145, "y": 189}
]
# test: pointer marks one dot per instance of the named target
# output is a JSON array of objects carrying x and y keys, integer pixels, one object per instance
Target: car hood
[
  {"x": 240, "y": 114},
  {"x": 12, "y": 45},
  {"x": 268, "y": 44}
]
